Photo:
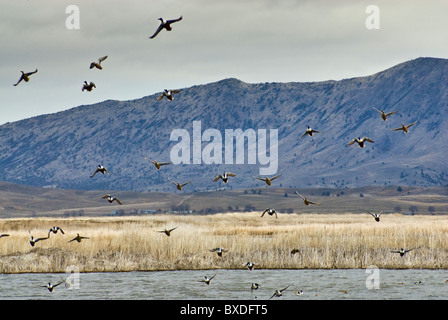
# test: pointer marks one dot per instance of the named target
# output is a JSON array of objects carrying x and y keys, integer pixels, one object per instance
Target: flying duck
[
  {"x": 51, "y": 287},
  {"x": 98, "y": 64},
  {"x": 268, "y": 180},
  {"x": 250, "y": 265},
  {"x": 306, "y": 201},
  {"x": 298, "y": 292},
  {"x": 25, "y": 77},
  {"x": 384, "y": 115},
  {"x": 168, "y": 94},
  {"x": 360, "y": 141},
  {"x": 404, "y": 128},
  {"x": 207, "y": 279},
  {"x": 34, "y": 241},
  {"x": 78, "y": 238},
  {"x": 167, "y": 232},
  {"x": 164, "y": 24},
  {"x": 101, "y": 169},
  {"x": 376, "y": 215},
  {"x": 88, "y": 86},
  {"x": 278, "y": 293},
  {"x": 270, "y": 212},
  {"x": 224, "y": 177},
  {"x": 402, "y": 251},
  {"x": 254, "y": 286},
  {"x": 294, "y": 251},
  {"x": 158, "y": 164},
  {"x": 56, "y": 229},
  {"x": 179, "y": 185},
  {"x": 309, "y": 132},
  {"x": 111, "y": 198},
  {"x": 4, "y": 235},
  {"x": 219, "y": 251}
]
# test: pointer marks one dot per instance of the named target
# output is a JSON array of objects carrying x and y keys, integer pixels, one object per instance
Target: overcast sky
[{"x": 252, "y": 40}]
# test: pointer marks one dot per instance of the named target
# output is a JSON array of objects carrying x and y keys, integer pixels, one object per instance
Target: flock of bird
[{"x": 168, "y": 93}]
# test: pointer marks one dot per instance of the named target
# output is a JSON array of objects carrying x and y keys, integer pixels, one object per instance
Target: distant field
[
  {"x": 22, "y": 201},
  {"x": 134, "y": 243}
]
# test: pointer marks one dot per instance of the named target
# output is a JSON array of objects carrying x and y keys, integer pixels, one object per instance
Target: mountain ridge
[{"x": 64, "y": 148}]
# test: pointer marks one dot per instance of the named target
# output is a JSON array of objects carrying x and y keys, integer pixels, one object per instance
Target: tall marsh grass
[{"x": 133, "y": 243}]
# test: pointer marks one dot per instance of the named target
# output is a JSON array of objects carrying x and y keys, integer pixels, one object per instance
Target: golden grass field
[{"x": 133, "y": 243}]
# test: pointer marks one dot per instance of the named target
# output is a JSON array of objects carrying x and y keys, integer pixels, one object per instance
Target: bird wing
[
  {"x": 381, "y": 212},
  {"x": 160, "y": 97},
  {"x": 149, "y": 160},
  {"x": 95, "y": 172},
  {"x": 213, "y": 250},
  {"x": 266, "y": 210},
  {"x": 106, "y": 196},
  {"x": 172, "y": 229},
  {"x": 175, "y": 91},
  {"x": 316, "y": 203},
  {"x": 230, "y": 174},
  {"x": 172, "y": 181},
  {"x": 370, "y": 213},
  {"x": 275, "y": 177},
  {"x": 368, "y": 139},
  {"x": 183, "y": 184},
  {"x": 393, "y": 112},
  {"x": 300, "y": 195},
  {"x": 4, "y": 235},
  {"x": 164, "y": 163},
  {"x": 284, "y": 289},
  {"x": 217, "y": 178},
  {"x": 157, "y": 32},
  {"x": 304, "y": 134},
  {"x": 30, "y": 73},
  {"x": 410, "y": 125},
  {"x": 377, "y": 110},
  {"x": 395, "y": 251},
  {"x": 20, "y": 80},
  {"x": 118, "y": 200},
  {"x": 212, "y": 277},
  {"x": 174, "y": 20},
  {"x": 351, "y": 142},
  {"x": 102, "y": 59},
  {"x": 262, "y": 179},
  {"x": 396, "y": 129}
]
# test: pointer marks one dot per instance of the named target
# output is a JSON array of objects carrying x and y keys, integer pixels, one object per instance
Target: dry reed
[{"x": 134, "y": 243}]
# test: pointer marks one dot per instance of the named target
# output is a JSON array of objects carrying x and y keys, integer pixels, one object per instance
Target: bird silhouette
[
  {"x": 25, "y": 77},
  {"x": 164, "y": 24}
]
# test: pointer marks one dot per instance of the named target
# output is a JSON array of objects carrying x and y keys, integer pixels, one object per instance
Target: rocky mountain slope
[{"x": 63, "y": 149}]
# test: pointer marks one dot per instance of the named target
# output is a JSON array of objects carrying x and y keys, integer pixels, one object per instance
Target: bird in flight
[
  {"x": 56, "y": 229},
  {"x": 4, "y": 235},
  {"x": 78, "y": 238},
  {"x": 34, "y": 241},
  {"x": 168, "y": 94},
  {"x": 111, "y": 199},
  {"x": 384, "y": 115},
  {"x": 51, "y": 287},
  {"x": 167, "y": 232},
  {"x": 158, "y": 164},
  {"x": 164, "y": 24},
  {"x": 376, "y": 215},
  {"x": 309, "y": 132},
  {"x": 270, "y": 212},
  {"x": 207, "y": 279},
  {"x": 306, "y": 201},
  {"x": 267, "y": 179},
  {"x": 402, "y": 251},
  {"x": 88, "y": 86},
  {"x": 278, "y": 293},
  {"x": 404, "y": 128},
  {"x": 360, "y": 141},
  {"x": 179, "y": 185},
  {"x": 219, "y": 251},
  {"x": 98, "y": 64},
  {"x": 224, "y": 177},
  {"x": 100, "y": 169},
  {"x": 25, "y": 77}
]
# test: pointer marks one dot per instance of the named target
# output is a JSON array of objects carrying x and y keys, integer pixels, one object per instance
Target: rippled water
[{"x": 231, "y": 285}]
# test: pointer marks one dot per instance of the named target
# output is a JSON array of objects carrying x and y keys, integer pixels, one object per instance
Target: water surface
[{"x": 409, "y": 284}]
